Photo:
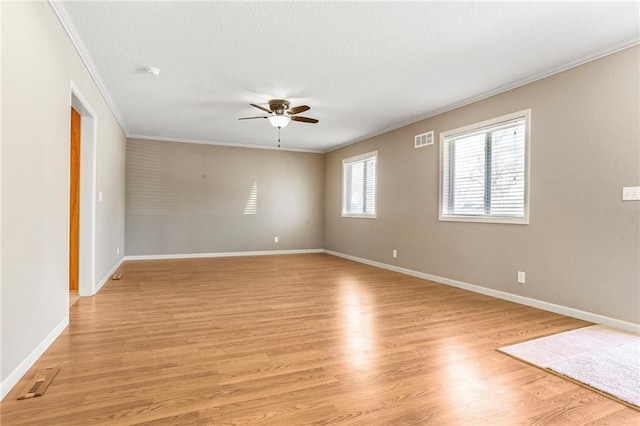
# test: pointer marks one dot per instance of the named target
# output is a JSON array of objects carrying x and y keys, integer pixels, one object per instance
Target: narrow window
[{"x": 359, "y": 185}]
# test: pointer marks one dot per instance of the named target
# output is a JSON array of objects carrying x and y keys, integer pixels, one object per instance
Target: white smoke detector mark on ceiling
[
  {"x": 152, "y": 70},
  {"x": 364, "y": 67}
]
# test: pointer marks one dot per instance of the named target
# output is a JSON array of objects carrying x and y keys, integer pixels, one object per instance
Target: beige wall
[
  {"x": 582, "y": 246},
  {"x": 38, "y": 63},
  {"x": 190, "y": 198}
]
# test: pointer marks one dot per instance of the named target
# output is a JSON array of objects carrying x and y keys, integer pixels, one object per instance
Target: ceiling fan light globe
[{"x": 279, "y": 121}]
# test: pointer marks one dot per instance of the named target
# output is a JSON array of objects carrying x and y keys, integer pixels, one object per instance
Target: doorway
[
  {"x": 74, "y": 205},
  {"x": 82, "y": 203}
]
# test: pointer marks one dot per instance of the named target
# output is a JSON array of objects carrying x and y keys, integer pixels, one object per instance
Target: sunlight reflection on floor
[
  {"x": 359, "y": 327},
  {"x": 468, "y": 385}
]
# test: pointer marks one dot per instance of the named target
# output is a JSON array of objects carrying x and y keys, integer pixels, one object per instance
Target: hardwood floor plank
[{"x": 299, "y": 339}]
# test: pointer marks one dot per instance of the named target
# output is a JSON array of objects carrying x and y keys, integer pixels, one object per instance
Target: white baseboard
[
  {"x": 221, "y": 254},
  {"x": 22, "y": 368},
  {"x": 546, "y": 306},
  {"x": 108, "y": 275}
]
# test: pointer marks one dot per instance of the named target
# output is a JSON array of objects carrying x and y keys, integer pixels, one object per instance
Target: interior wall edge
[
  {"x": 107, "y": 276},
  {"x": 527, "y": 301},
  {"x": 2, "y": 394},
  {"x": 14, "y": 377}
]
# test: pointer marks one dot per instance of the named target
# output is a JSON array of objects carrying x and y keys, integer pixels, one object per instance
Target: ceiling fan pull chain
[{"x": 278, "y": 137}]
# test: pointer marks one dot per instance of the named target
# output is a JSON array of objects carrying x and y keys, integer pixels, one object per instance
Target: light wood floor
[
  {"x": 73, "y": 297},
  {"x": 299, "y": 339}
]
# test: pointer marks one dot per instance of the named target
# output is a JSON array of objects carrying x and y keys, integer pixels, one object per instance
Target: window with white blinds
[
  {"x": 359, "y": 185},
  {"x": 484, "y": 171}
]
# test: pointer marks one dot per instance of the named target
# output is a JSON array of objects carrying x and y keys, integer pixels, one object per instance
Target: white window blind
[
  {"x": 484, "y": 171},
  {"x": 359, "y": 185}
]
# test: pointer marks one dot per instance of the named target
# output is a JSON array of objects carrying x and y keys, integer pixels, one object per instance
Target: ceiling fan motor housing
[
  {"x": 278, "y": 106},
  {"x": 280, "y": 113}
]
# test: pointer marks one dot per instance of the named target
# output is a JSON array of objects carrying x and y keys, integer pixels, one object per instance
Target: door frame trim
[{"x": 88, "y": 185}]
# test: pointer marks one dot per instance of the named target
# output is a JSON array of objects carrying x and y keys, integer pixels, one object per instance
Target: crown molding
[
  {"x": 232, "y": 145},
  {"x": 505, "y": 88},
  {"x": 70, "y": 29}
]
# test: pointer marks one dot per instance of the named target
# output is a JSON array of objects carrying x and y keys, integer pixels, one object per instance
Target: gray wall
[
  {"x": 190, "y": 198},
  {"x": 582, "y": 246},
  {"x": 38, "y": 63}
]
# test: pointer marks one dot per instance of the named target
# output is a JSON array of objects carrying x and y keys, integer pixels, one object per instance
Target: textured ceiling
[{"x": 363, "y": 67}]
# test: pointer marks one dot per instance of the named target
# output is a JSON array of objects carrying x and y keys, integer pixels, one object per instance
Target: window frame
[
  {"x": 477, "y": 127},
  {"x": 347, "y": 162}
]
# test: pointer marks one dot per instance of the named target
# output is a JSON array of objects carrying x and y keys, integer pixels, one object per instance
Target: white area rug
[
  {"x": 600, "y": 357},
  {"x": 614, "y": 370}
]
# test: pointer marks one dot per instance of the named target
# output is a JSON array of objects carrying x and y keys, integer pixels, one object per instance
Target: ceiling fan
[{"x": 279, "y": 113}]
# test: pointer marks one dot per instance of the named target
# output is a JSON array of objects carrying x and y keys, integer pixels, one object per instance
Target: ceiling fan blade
[
  {"x": 299, "y": 109},
  {"x": 262, "y": 108},
  {"x": 304, "y": 119},
  {"x": 250, "y": 118}
]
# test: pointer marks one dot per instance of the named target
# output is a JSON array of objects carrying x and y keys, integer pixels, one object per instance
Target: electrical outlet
[
  {"x": 100, "y": 196},
  {"x": 521, "y": 277},
  {"x": 276, "y": 240},
  {"x": 395, "y": 253},
  {"x": 117, "y": 250}
]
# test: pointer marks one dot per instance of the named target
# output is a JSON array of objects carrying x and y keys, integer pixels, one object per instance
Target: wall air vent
[{"x": 424, "y": 139}]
